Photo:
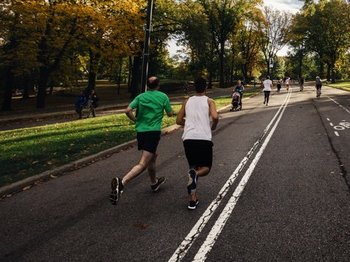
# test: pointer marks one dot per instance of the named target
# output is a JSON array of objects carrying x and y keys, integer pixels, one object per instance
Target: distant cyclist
[{"x": 318, "y": 85}]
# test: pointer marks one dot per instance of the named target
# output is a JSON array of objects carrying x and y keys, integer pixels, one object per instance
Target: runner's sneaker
[
  {"x": 117, "y": 190},
  {"x": 160, "y": 180},
  {"x": 192, "y": 181},
  {"x": 192, "y": 205}
]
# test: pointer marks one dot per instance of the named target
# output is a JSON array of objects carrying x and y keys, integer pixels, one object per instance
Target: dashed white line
[
  {"x": 328, "y": 119},
  {"x": 336, "y": 133},
  {"x": 331, "y": 124}
]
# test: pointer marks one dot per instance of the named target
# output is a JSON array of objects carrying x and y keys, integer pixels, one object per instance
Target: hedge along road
[{"x": 293, "y": 207}]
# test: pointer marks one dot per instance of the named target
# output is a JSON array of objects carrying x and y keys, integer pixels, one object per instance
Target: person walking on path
[
  {"x": 195, "y": 115},
  {"x": 267, "y": 88},
  {"x": 150, "y": 107},
  {"x": 287, "y": 82},
  {"x": 279, "y": 85},
  {"x": 240, "y": 88},
  {"x": 318, "y": 84}
]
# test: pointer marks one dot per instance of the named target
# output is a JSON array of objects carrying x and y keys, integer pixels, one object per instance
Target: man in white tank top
[{"x": 195, "y": 115}]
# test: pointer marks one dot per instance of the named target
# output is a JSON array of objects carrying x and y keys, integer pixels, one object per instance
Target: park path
[
  {"x": 278, "y": 191},
  {"x": 14, "y": 120}
]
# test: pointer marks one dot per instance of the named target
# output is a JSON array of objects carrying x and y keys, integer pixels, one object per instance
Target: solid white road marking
[
  {"x": 225, "y": 214},
  {"x": 186, "y": 244},
  {"x": 341, "y": 106}
]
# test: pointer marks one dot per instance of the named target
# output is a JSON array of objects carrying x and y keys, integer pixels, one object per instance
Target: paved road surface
[{"x": 279, "y": 191}]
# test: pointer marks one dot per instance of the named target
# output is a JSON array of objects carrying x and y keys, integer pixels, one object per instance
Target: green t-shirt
[{"x": 150, "y": 108}]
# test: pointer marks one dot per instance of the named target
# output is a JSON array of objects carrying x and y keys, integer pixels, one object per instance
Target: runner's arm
[
  {"x": 180, "y": 118},
  {"x": 213, "y": 113},
  {"x": 129, "y": 113}
]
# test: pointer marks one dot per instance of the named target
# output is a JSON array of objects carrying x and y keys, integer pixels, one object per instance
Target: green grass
[
  {"x": 344, "y": 85},
  {"x": 29, "y": 151}
]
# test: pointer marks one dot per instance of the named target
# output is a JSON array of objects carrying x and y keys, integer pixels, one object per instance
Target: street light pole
[{"x": 146, "y": 46}]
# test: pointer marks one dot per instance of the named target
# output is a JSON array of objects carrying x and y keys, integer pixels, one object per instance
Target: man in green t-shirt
[{"x": 150, "y": 107}]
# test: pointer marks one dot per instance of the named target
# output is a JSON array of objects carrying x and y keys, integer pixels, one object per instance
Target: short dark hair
[
  {"x": 152, "y": 82},
  {"x": 267, "y": 77},
  {"x": 200, "y": 85}
]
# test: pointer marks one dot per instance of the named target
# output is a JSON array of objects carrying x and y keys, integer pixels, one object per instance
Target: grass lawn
[
  {"x": 344, "y": 85},
  {"x": 30, "y": 151}
]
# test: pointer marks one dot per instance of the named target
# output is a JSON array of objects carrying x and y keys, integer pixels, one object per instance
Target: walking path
[{"x": 61, "y": 114}]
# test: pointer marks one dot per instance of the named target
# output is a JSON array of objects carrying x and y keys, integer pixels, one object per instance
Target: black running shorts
[
  {"x": 199, "y": 153},
  {"x": 148, "y": 141}
]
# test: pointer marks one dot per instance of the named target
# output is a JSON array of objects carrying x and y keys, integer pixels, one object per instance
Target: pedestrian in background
[
  {"x": 267, "y": 88},
  {"x": 195, "y": 115},
  {"x": 240, "y": 88},
  {"x": 150, "y": 107}
]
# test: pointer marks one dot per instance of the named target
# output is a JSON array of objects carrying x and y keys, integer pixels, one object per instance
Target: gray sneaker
[
  {"x": 160, "y": 180},
  {"x": 117, "y": 190}
]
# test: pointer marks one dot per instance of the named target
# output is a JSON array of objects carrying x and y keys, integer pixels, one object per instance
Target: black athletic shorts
[
  {"x": 148, "y": 141},
  {"x": 199, "y": 153}
]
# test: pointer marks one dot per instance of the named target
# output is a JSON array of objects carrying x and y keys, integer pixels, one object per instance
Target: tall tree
[
  {"x": 327, "y": 31},
  {"x": 276, "y": 30}
]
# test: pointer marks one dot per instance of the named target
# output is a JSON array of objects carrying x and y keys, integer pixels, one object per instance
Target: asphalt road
[{"x": 279, "y": 190}]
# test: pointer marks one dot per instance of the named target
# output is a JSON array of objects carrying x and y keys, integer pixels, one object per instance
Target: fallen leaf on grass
[{"x": 26, "y": 188}]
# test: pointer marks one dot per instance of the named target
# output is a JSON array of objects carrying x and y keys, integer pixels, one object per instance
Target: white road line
[
  {"x": 225, "y": 214},
  {"x": 336, "y": 133},
  {"x": 341, "y": 106},
  {"x": 331, "y": 124},
  {"x": 186, "y": 244},
  {"x": 328, "y": 119}
]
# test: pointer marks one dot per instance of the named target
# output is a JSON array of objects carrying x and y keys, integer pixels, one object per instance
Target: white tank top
[{"x": 197, "y": 124}]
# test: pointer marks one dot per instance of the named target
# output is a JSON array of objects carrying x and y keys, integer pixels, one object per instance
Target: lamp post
[{"x": 145, "y": 56}]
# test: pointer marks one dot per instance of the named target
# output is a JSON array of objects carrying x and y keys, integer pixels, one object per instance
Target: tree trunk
[
  {"x": 136, "y": 77},
  {"x": 332, "y": 73},
  {"x": 42, "y": 85},
  {"x": 221, "y": 58},
  {"x": 8, "y": 85},
  {"x": 26, "y": 86},
  {"x": 268, "y": 67},
  {"x": 93, "y": 68},
  {"x": 210, "y": 79},
  {"x": 328, "y": 72},
  {"x": 300, "y": 65},
  {"x": 119, "y": 75}
]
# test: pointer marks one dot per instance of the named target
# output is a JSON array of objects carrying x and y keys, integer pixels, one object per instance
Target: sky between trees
[{"x": 292, "y": 6}]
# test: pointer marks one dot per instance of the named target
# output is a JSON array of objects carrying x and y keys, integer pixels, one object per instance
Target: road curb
[{"x": 29, "y": 182}]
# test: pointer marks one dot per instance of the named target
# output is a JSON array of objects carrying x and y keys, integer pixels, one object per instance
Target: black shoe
[
  {"x": 117, "y": 190},
  {"x": 160, "y": 180},
  {"x": 192, "y": 205},
  {"x": 192, "y": 181}
]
